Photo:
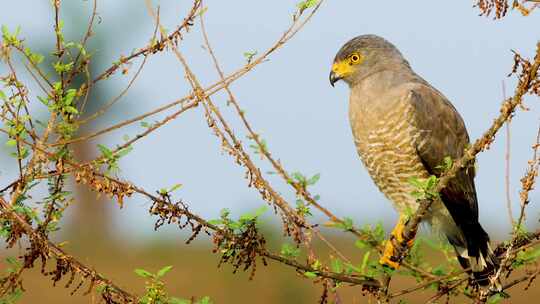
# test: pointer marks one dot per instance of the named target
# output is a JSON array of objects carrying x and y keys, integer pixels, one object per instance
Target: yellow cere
[{"x": 345, "y": 67}]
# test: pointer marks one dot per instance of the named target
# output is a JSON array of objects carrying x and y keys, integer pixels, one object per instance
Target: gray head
[{"x": 362, "y": 56}]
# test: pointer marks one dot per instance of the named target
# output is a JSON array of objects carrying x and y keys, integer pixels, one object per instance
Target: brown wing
[{"x": 444, "y": 134}]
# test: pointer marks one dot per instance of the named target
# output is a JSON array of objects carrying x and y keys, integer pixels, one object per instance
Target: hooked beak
[
  {"x": 340, "y": 70},
  {"x": 334, "y": 78}
]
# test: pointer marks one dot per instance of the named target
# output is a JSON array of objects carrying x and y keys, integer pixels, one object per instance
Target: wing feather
[{"x": 444, "y": 134}]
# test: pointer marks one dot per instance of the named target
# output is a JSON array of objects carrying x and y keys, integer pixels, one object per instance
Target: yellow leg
[{"x": 389, "y": 253}]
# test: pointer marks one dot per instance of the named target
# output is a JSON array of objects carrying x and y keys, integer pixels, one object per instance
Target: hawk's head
[{"x": 361, "y": 56}]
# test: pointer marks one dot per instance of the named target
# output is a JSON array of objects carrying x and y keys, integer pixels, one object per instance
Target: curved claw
[{"x": 389, "y": 257}]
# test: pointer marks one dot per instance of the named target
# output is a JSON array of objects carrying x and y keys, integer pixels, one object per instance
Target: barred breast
[{"x": 386, "y": 138}]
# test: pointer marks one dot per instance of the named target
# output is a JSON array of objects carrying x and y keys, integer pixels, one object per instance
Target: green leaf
[
  {"x": 163, "y": 271},
  {"x": 299, "y": 177},
  {"x": 337, "y": 265},
  {"x": 105, "y": 151},
  {"x": 247, "y": 217},
  {"x": 260, "y": 211},
  {"x": 439, "y": 271},
  {"x": 175, "y": 187},
  {"x": 124, "y": 151},
  {"x": 61, "y": 67},
  {"x": 302, "y": 6},
  {"x": 289, "y": 251},
  {"x": 249, "y": 56},
  {"x": 205, "y": 300},
  {"x": 496, "y": 298},
  {"x": 70, "y": 109},
  {"x": 143, "y": 273},
  {"x": 215, "y": 222},
  {"x": 365, "y": 261},
  {"x": 361, "y": 244},
  {"x": 310, "y": 274},
  {"x": 224, "y": 213},
  {"x": 11, "y": 143},
  {"x": 5, "y": 31},
  {"x": 43, "y": 100},
  {"x": 36, "y": 58},
  {"x": 314, "y": 179},
  {"x": 68, "y": 99},
  {"x": 3, "y": 95},
  {"x": 173, "y": 300},
  {"x": 416, "y": 182},
  {"x": 24, "y": 152}
]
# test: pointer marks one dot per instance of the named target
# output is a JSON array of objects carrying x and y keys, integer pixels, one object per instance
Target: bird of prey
[{"x": 404, "y": 129}]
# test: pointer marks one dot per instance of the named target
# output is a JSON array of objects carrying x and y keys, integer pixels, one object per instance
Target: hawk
[{"x": 404, "y": 129}]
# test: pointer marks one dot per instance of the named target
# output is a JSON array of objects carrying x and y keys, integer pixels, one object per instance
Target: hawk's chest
[
  {"x": 383, "y": 128},
  {"x": 386, "y": 138}
]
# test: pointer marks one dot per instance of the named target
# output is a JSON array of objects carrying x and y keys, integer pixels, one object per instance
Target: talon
[
  {"x": 389, "y": 254},
  {"x": 398, "y": 231}
]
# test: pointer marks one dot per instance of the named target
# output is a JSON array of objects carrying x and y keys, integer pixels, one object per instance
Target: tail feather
[{"x": 475, "y": 253}]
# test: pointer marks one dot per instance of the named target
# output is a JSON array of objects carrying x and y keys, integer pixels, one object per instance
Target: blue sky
[{"x": 289, "y": 100}]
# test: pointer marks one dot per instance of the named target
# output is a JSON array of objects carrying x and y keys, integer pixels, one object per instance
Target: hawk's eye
[{"x": 354, "y": 58}]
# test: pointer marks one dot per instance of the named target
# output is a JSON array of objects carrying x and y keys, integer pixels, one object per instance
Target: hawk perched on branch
[{"x": 404, "y": 129}]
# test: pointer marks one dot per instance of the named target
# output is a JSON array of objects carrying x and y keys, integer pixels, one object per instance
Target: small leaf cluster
[
  {"x": 243, "y": 222},
  {"x": 11, "y": 38},
  {"x": 155, "y": 289},
  {"x": 425, "y": 187},
  {"x": 111, "y": 158},
  {"x": 304, "y": 5},
  {"x": 289, "y": 251},
  {"x": 527, "y": 256},
  {"x": 304, "y": 181}
]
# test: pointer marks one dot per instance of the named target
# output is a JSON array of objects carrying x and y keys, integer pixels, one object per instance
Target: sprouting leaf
[
  {"x": 224, "y": 213},
  {"x": 337, "y": 265},
  {"x": 61, "y": 67},
  {"x": 446, "y": 164},
  {"x": 143, "y": 273},
  {"x": 289, "y": 251},
  {"x": 314, "y": 179},
  {"x": 43, "y": 100},
  {"x": 250, "y": 55},
  {"x": 5, "y": 31},
  {"x": 163, "y": 271},
  {"x": 310, "y": 274},
  {"x": 105, "y": 151},
  {"x": 260, "y": 211},
  {"x": 173, "y": 300},
  {"x": 498, "y": 297},
  {"x": 72, "y": 110},
  {"x": 68, "y": 99},
  {"x": 304, "y": 5},
  {"x": 299, "y": 177},
  {"x": 124, "y": 151},
  {"x": 175, "y": 187},
  {"x": 365, "y": 261},
  {"x": 215, "y": 222},
  {"x": 361, "y": 244},
  {"x": 204, "y": 300},
  {"x": 11, "y": 143}
]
